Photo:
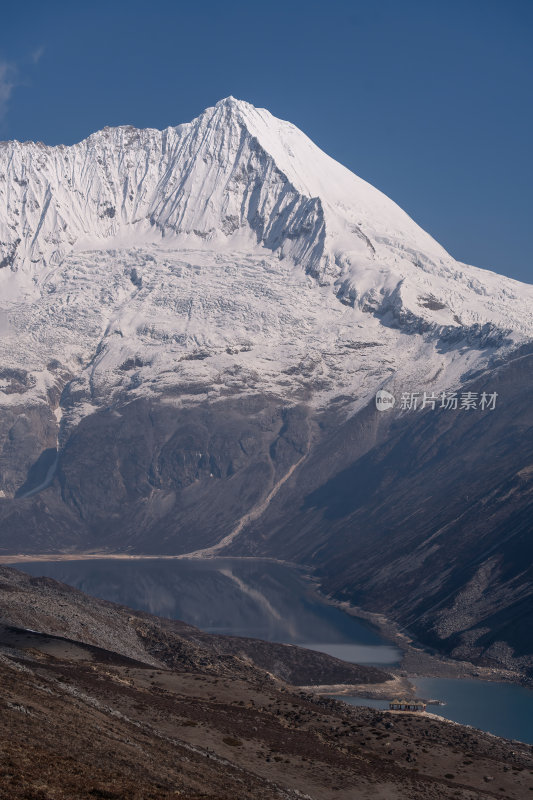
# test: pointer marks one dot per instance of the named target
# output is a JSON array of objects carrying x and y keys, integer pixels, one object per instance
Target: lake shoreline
[{"x": 419, "y": 662}]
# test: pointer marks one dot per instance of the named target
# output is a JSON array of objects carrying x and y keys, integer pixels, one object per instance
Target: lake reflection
[{"x": 242, "y": 597}]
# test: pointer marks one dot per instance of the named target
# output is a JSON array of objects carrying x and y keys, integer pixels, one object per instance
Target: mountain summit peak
[
  {"x": 232, "y": 102},
  {"x": 237, "y": 174}
]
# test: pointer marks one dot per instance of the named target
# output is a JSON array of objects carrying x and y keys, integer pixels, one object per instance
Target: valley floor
[{"x": 79, "y": 722}]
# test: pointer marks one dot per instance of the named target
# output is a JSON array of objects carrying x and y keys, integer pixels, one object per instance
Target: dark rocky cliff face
[{"x": 156, "y": 478}]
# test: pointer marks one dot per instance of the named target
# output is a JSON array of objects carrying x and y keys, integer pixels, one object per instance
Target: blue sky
[{"x": 429, "y": 100}]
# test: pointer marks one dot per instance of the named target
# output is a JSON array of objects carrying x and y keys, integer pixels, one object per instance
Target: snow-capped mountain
[
  {"x": 193, "y": 325},
  {"x": 229, "y": 254}
]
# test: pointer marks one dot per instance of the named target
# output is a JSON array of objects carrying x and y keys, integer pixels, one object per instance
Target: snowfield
[{"x": 227, "y": 255}]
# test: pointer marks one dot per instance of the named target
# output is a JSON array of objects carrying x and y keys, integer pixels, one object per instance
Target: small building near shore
[{"x": 407, "y": 705}]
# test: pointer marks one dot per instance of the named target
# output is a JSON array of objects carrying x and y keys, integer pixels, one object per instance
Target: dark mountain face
[
  {"x": 156, "y": 479},
  {"x": 431, "y": 524}
]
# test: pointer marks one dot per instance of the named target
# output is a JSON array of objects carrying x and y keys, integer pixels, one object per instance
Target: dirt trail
[{"x": 252, "y": 515}]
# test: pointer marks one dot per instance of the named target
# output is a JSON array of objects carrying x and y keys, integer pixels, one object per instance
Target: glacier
[{"x": 226, "y": 256}]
